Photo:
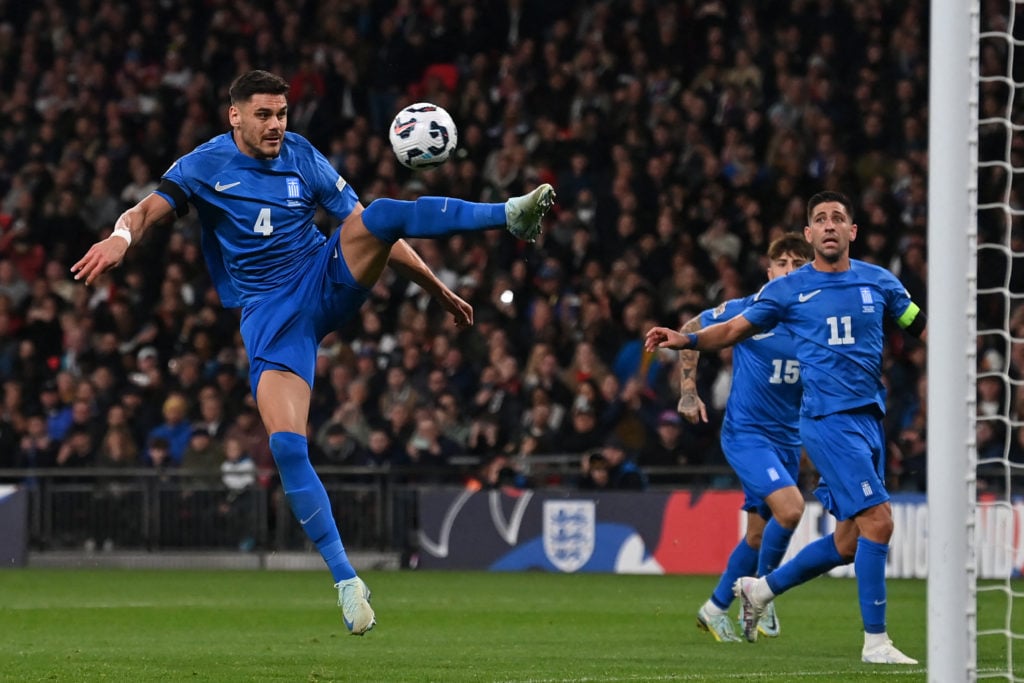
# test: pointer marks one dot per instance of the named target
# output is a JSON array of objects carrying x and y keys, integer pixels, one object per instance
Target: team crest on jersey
[
  {"x": 867, "y": 301},
  {"x": 293, "y": 188},
  {"x": 719, "y": 310}
]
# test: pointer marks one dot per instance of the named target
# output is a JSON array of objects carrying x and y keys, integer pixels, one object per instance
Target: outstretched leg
[
  {"x": 755, "y": 594},
  {"x": 367, "y": 236}
]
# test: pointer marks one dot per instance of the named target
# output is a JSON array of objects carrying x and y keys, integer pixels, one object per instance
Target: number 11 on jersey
[{"x": 834, "y": 323}]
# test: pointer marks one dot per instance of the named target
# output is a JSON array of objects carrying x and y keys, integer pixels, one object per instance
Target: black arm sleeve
[
  {"x": 917, "y": 326},
  {"x": 177, "y": 194}
]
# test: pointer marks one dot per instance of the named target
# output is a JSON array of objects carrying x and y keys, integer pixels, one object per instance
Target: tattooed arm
[{"x": 690, "y": 406}]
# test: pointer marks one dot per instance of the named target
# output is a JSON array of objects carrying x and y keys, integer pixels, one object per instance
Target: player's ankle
[
  {"x": 712, "y": 609},
  {"x": 762, "y": 592},
  {"x": 872, "y": 640}
]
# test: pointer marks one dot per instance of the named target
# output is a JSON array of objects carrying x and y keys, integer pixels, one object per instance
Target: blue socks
[
  {"x": 742, "y": 562},
  {"x": 869, "y": 563},
  {"x": 815, "y": 559},
  {"x": 391, "y": 219},
  {"x": 821, "y": 556},
  {"x": 308, "y": 500},
  {"x": 774, "y": 543}
]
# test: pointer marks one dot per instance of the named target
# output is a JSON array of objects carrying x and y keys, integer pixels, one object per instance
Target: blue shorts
[
  {"x": 283, "y": 331},
  {"x": 849, "y": 451},
  {"x": 762, "y": 465}
]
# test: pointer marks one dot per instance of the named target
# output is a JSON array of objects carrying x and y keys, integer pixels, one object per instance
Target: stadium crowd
[{"x": 681, "y": 136}]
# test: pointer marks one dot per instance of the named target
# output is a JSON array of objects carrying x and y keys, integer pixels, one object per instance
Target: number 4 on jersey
[{"x": 263, "y": 225}]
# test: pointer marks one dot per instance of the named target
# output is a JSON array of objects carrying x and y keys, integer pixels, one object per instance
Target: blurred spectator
[
  {"x": 37, "y": 448},
  {"x": 12, "y": 285},
  {"x": 585, "y": 365},
  {"x": 449, "y": 417},
  {"x": 212, "y": 418},
  {"x": 380, "y": 450},
  {"x": 582, "y": 434},
  {"x": 909, "y": 462},
  {"x": 117, "y": 449},
  {"x": 117, "y": 521},
  {"x": 58, "y": 414},
  {"x": 623, "y": 472},
  {"x": 486, "y": 436},
  {"x": 78, "y": 449},
  {"x": 174, "y": 429},
  {"x": 542, "y": 423},
  {"x": 428, "y": 447},
  {"x": 666, "y": 449},
  {"x": 238, "y": 475},
  {"x": 203, "y": 456},
  {"x": 334, "y": 446},
  {"x": 593, "y": 472},
  {"x": 351, "y": 412},
  {"x": 238, "y": 471},
  {"x": 250, "y": 432}
]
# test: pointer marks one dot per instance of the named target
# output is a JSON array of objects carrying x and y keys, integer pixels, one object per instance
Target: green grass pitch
[{"x": 92, "y": 625}]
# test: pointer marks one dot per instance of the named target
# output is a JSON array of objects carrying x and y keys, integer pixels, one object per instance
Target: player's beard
[
  {"x": 258, "y": 147},
  {"x": 830, "y": 257},
  {"x": 834, "y": 252}
]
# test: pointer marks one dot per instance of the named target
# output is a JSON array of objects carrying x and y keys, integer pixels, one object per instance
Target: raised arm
[
  {"x": 130, "y": 226},
  {"x": 690, "y": 405},
  {"x": 407, "y": 263},
  {"x": 711, "y": 338}
]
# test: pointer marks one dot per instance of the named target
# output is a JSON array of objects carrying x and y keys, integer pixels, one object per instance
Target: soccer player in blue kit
[
  {"x": 759, "y": 438},
  {"x": 835, "y": 308},
  {"x": 256, "y": 189}
]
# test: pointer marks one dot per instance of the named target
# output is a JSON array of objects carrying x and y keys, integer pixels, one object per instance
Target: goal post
[{"x": 952, "y": 246}]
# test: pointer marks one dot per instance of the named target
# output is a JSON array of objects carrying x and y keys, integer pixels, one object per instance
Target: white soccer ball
[{"x": 423, "y": 135}]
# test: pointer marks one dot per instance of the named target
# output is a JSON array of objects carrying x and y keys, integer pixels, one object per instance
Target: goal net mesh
[{"x": 999, "y": 359}]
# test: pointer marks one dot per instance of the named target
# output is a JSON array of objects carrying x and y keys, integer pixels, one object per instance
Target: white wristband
[{"x": 123, "y": 233}]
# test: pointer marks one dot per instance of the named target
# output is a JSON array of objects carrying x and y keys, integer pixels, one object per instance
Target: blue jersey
[
  {"x": 257, "y": 214},
  {"x": 765, "y": 396},
  {"x": 837, "y": 322}
]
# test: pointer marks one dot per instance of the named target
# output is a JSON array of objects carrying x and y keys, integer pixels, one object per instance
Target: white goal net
[{"x": 976, "y": 341}]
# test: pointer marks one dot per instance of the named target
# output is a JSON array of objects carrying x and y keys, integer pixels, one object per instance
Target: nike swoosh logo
[
  {"x": 305, "y": 521},
  {"x": 808, "y": 296},
  {"x": 445, "y": 207},
  {"x": 401, "y": 128},
  {"x": 763, "y": 335},
  {"x": 879, "y": 603},
  {"x": 221, "y": 188}
]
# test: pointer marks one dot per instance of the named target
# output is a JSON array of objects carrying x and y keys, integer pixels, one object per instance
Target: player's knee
[
  {"x": 846, "y": 548},
  {"x": 384, "y": 218},
  {"x": 787, "y": 507},
  {"x": 789, "y": 516},
  {"x": 288, "y": 449},
  {"x": 754, "y": 539},
  {"x": 876, "y": 524},
  {"x": 878, "y": 530}
]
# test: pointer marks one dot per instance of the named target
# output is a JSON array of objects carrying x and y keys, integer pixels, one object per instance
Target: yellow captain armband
[{"x": 913, "y": 320}]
